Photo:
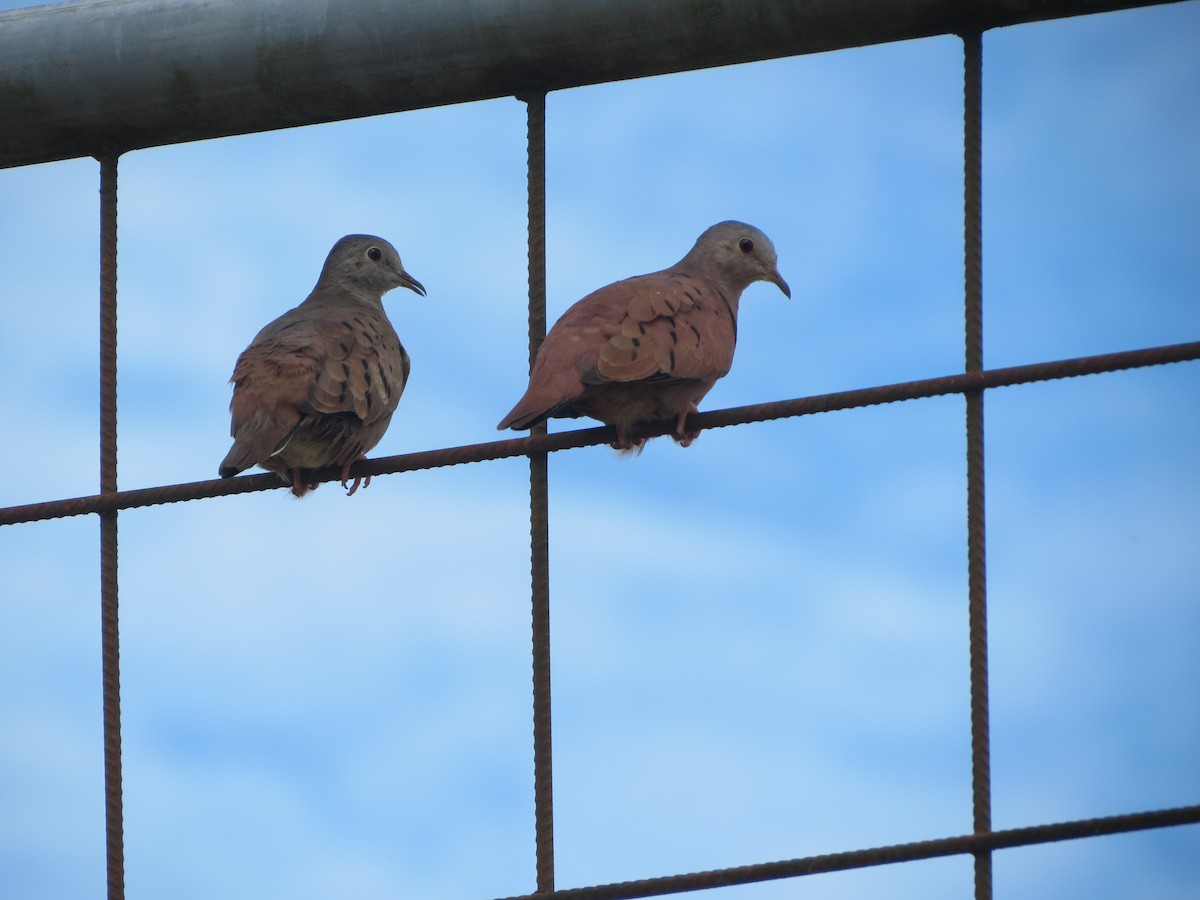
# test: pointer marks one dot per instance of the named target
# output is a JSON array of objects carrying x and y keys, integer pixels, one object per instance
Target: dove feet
[
  {"x": 300, "y": 486},
  {"x": 682, "y": 436},
  {"x": 626, "y": 445},
  {"x": 358, "y": 479}
]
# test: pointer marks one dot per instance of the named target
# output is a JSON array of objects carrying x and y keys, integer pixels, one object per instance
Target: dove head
[
  {"x": 737, "y": 255},
  {"x": 366, "y": 263}
]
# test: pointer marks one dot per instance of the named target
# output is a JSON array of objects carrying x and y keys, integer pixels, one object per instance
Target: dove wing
[
  {"x": 271, "y": 383},
  {"x": 658, "y": 328},
  {"x": 303, "y": 365},
  {"x": 363, "y": 368},
  {"x": 674, "y": 327}
]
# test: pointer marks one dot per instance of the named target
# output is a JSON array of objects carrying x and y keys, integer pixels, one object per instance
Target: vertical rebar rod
[
  {"x": 539, "y": 532},
  {"x": 981, "y": 785},
  {"x": 110, "y": 640}
]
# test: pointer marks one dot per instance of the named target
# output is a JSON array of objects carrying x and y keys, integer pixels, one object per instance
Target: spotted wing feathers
[
  {"x": 300, "y": 368},
  {"x": 657, "y": 329}
]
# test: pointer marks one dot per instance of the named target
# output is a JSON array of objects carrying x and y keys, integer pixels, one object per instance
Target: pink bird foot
[
  {"x": 682, "y": 436},
  {"x": 358, "y": 479},
  {"x": 299, "y": 486}
]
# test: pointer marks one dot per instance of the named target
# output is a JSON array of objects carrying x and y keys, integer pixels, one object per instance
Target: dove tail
[
  {"x": 525, "y": 415},
  {"x": 231, "y": 465},
  {"x": 254, "y": 442},
  {"x": 520, "y": 423}
]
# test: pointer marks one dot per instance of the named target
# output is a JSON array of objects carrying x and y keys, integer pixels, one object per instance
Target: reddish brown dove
[
  {"x": 647, "y": 349},
  {"x": 318, "y": 386}
]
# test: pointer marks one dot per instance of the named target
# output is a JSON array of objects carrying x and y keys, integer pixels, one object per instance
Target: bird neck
[
  {"x": 340, "y": 294},
  {"x": 702, "y": 268}
]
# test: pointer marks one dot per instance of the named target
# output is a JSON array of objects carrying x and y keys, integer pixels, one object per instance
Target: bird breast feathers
[{"x": 329, "y": 367}]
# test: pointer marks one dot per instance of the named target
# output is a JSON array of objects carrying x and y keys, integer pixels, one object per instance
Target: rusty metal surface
[
  {"x": 881, "y": 856},
  {"x": 104, "y": 76},
  {"x": 110, "y": 650},
  {"x": 539, "y": 511},
  {"x": 981, "y": 773},
  {"x": 586, "y": 437}
]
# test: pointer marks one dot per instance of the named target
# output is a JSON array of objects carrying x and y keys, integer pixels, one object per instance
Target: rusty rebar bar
[
  {"x": 539, "y": 504},
  {"x": 981, "y": 781},
  {"x": 585, "y": 437},
  {"x": 110, "y": 650},
  {"x": 880, "y": 856}
]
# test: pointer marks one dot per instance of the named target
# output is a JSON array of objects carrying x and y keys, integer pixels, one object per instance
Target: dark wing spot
[
  {"x": 729, "y": 309},
  {"x": 674, "y": 337},
  {"x": 688, "y": 294},
  {"x": 695, "y": 330},
  {"x": 637, "y": 342},
  {"x": 672, "y": 359}
]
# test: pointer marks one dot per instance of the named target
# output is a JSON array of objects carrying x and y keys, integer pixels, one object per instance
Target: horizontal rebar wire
[
  {"x": 880, "y": 856},
  {"x": 569, "y": 440}
]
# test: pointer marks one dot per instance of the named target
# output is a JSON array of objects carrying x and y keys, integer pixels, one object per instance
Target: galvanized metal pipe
[{"x": 98, "y": 77}]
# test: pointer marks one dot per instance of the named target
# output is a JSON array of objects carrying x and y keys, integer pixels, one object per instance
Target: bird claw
[
  {"x": 299, "y": 486},
  {"x": 626, "y": 445},
  {"x": 682, "y": 436},
  {"x": 358, "y": 479}
]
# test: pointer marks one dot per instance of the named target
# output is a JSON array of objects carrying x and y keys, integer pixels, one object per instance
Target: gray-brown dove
[
  {"x": 318, "y": 386},
  {"x": 647, "y": 349}
]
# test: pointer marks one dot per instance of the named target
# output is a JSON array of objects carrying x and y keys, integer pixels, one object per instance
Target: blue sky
[{"x": 759, "y": 641}]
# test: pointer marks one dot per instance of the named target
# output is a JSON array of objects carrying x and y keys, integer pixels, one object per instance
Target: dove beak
[
  {"x": 411, "y": 283},
  {"x": 776, "y": 278}
]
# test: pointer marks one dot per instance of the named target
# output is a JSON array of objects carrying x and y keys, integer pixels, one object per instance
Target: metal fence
[{"x": 62, "y": 117}]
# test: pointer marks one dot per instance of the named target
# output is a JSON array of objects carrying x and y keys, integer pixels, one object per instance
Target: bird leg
[
  {"x": 299, "y": 486},
  {"x": 682, "y": 437},
  {"x": 357, "y": 478},
  {"x": 622, "y": 442},
  {"x": 626, "y": 445}
]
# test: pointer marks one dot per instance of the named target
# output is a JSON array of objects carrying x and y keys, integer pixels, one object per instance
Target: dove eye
[
  {"x": 746, "y": 245},
  {"x": 374, "y": 254}
]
